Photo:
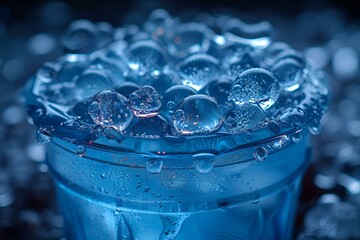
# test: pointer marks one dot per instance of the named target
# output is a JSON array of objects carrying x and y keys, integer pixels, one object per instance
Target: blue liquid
[{"x": 102, "y": 197}]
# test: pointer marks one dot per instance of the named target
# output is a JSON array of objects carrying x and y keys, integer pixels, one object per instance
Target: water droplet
[
  {"x": 315, "y": 128},
  {"x": 255, "y": 35},
  {"x": 110, "y": 109},
  {"x": 256, "y": 86},
  {"x": 146, "y": 56},
  {"x": 297, "y": 137},
  {"x": 204, "y": 162},
  {"x": 236, "y": 68},
  {"x": 198, "y": 114},
  {"x": 116, "y": 69},
  {"x": 145, "y": 102},
  {"x": 80, "y": 150},
  {"x": 220, "y": 90},
  {"x": 281, "y": 142},
  {"x": 261, "y": 153},
  {"x": 289, "y": 73},
  {"x": 43, "y": 135},
  {"x": 197, "y": 70},
  {"x": 103, "y": 175},
  {"x": 190, "y": 38},
  {"x": 173, "y": 97},
  {"x": 47, "y": 73},
  {"x": 154, "y": 165},
  {"x": 126, "y": 88},
  {"x": 154, "y": 127},
  {"x": 80, "y": 37},
  {"x": 92, "y": 82},
  {"x": 244, "y": 117}
]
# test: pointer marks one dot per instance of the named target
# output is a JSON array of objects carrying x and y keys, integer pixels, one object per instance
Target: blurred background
[{"x": 327, "y": 32}]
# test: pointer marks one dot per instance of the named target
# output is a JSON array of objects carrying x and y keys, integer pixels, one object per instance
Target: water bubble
[
  {"x": 81, "y": 150},
  {"x": 255, "y": 35},
  {"x": 274, "y": 126},
  {"x": 110, "y": 109},
  {"x": 197, "y": 70},
  {"x": 198, "y": 114},
  {"x": 43, "y": 135},
  {"x": 220, "y": 90},
  {"x": 154, "y": 127},
  {"x": 315, "y": 128},
  {"x": 126, "y": 88},
  {"x": 145, "y": 102},
  {"x": 261, "y": 153},
  {"x": 92, "y": 82},
  {"x": 246, "y": 62},
  {"x": 146, "y": 56},
  {"x": 159, "y": 20},
  {"x": 204, "y": 162},
  {"x": 289, "y": 73},
  {"x": 281, "y": 142},
  {"x": 256, "y": 86},
  {"x": 80, "y": 37},
  {"x": 292, "y": 117},
  {"x": 154, "y": 165},
  {"x": 162, "y": 82},
  {"x": 190, "y": 38},
  {"x": 297, "y": 137},
  {"x": 47, "y": 73},
  {"x": 244, "y": 117},
  {"x": 115, "y": 69},
  {"x": 80, "y": 111},
  {"x": 173, "y": 97}
]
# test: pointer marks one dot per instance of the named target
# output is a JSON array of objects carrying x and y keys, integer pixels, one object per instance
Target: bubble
[
  {"x": 80, "y": 37},
  {"x": 244, "y": 117},
  {"x": 173, "y": 97},
  {"x": 145, "y": 102},
  {"x": 297, "y": 137},
  {"x": 146, "y": 56},
  {"x": 126, "y": 88},
  {"x": 80, "y": 150},
  {"x": 220, "y": 90},
  {"x": 154, "y": 127},
  {"x": 80, "y": 112},
  {"x": 92, "y": 82},
  {"x": 256, "y": 86},
  {"x": 292, "y": 117},
  {"x": 280, "y": 142},
  {"x": 190, "y": 38},
  {"x": 159, "y": 20},
  {"x": 246, "y": 62},
  {"x": 274, "y": 126},
  {"x": 43, "y": 135},
  {"x": 261, "y": 153},
  {"x": 204, "y": 162},
  {"x": 198, "y": 114},
  {"x": 110, "y": 109},
  {"x": 275, "y": 49},
  {"x": 197, "y": 70},
  {"x": 315, "y": 128},
  {"x": 115, "y": 69},
  {"x": 289, "y": 73},
  {"x": 47, "y": 73},
  {"x": 255, "y": 35},
  {"x": 154, "y": 165},
  {"x": 162, "y": 82}
]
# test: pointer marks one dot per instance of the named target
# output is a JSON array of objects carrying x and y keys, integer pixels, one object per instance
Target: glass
[{"x": 107, "y": 193}]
